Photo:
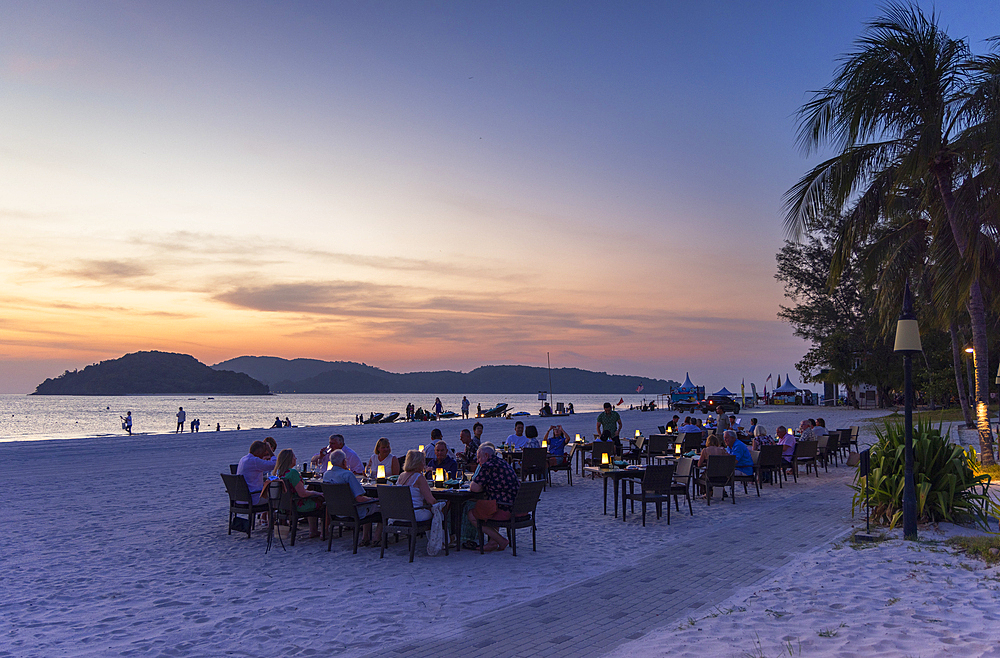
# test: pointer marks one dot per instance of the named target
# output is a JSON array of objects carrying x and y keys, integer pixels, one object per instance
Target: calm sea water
[{"x": 39, "y": 417}]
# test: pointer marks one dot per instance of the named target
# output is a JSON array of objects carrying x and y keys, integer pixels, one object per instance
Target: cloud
[{"x": 109, "y": 271}]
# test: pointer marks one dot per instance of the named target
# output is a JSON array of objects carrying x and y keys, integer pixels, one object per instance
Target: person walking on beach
[
  {"x": 438, "y": 408},
  {"x": 465, "y": 407},
  {"x": 127, "y": 422},
  {"x": 181, "y": 416}
]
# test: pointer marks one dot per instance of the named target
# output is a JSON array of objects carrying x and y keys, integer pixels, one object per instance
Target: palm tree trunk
[
  {"x": 977, "y": 315},
  {"x": 956, "y": 358}
]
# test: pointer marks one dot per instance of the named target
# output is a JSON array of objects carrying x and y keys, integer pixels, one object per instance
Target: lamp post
[
  {"x": 908, "y": 343},
  {"x": 970, "y": 366}
]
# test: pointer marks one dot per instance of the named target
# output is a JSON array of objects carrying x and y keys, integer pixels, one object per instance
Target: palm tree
[{"x": 893, "y": 110}]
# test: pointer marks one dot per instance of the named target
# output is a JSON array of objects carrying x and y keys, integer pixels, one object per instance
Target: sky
[{"x": 412, "y": 185}]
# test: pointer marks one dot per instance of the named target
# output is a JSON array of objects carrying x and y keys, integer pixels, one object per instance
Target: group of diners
[
  {"x": 555, "y": 441},
  {"x": 494, "y": 480},
  {"x": 734, "y": 439}
]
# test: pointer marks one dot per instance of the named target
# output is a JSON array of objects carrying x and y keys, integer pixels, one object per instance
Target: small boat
[
  {"x": 374, "y": 418},
  {"x": 520, "y": 413},
  {"x": 496, "y": 411},
  {"x": 390, "y": 418},
  {"x": 448, "y": 414}
]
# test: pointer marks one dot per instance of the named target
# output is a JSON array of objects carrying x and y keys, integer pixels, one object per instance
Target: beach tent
[
  {"x": 687, "y": 386},
  {"x": 724, "y": 391},
  {"x": 785, "y": 394}
]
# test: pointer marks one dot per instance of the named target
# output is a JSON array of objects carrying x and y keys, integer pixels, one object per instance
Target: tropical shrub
[{"x": 947, "y": 488}]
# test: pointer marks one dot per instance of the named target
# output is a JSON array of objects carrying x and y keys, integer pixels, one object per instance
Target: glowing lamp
[
  {"x": 545, "y": 444},
  {"x": 381, "y": 474},
  {"x": 578, "y": 439},
  {"x": 329, "y": 466},
  {"x": 637, "y": 434},
  {"x": 605, "y": 462},
  {"x": 439, "y": 475},
  {"x": 677, "y": 448},
  {"x": 421, "y": 447}
]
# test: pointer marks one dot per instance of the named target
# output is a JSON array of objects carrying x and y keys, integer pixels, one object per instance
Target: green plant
[
  {"x": 947, "y": 487},
  {"x": 980, "y": 547}
]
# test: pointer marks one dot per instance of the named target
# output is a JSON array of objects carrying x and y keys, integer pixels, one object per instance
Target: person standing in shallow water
[
  {"x": 127, "y": 422},
  {"x": 181, "y": 416}
]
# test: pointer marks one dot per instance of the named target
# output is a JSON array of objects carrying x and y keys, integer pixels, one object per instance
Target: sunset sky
[{"x": 417, "y": 186}]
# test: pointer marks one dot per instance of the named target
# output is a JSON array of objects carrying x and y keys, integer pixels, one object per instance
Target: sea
[{"x": 44, "y": 417}]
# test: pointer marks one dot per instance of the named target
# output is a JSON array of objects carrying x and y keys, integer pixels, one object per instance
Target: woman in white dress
[
  {"x": 383, "y": 457},
  {"x": 420, "y": 491}
]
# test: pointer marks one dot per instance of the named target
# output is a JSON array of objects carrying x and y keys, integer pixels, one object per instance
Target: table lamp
[
  {"x": 380, "y": 479},
  {"x": 677, "y": 448},
  {"x": 421, "y": 447},
  {"x": 638, "y": 434},
  {"x": 439, "y": 476},
  {"x": 545, "y": 444},
  {"x": 605, "y": 462},
  {"x": 578, "y": 436}
]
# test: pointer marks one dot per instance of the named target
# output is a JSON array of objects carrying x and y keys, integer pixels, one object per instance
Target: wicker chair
[
  {"x": 719, "y": 472},
  {"x": 241, "y": 501},
  {"x": 655, "y": 489},
  {"x": 522, "y": 515},
  {"x": 396, "y": 504},
  {"x": 343, "y": 511}
]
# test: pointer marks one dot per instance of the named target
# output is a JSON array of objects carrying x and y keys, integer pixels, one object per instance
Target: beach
[{"x": 118, "y": 546}]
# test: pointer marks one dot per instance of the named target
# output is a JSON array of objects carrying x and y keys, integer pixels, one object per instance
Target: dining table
[
  {"x": 616, "y": 475},
  {"x": 456, "y": 496}
]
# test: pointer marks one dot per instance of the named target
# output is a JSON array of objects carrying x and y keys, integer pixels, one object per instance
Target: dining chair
[
  {"x": 522, "y": 515},
  {"x": 241, "y": 501},
  {"x": 719, "y": 472},
  {"x": 344, "y": 511},
  {"x": 396, "y": 506},
  {"x": 654, "y": 490}
]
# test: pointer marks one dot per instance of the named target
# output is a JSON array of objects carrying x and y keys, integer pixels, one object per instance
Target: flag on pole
[
  {"x": 621, "y": 402},
  {"x": 638, "y": 389},
  {"x": 768, "y": 378}
]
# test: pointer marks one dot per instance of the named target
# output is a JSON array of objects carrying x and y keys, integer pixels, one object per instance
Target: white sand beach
[{"x": 118, "y": 546}]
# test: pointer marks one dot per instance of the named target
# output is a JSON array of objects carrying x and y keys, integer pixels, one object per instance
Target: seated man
[
  {"x": 254, "y": 465},
  {"x": 339, "y": 474},
  {"x": 738, "y": 449},
  {"x": 787, "y": 443},
  {"x": 806, "y": 431},
  {"x": 471, "y": 444},
  {"x": 517, "y": 439},
  {"x": 277, "y": 423},
  {"x": 689, "y": 426},
  {"x": 442, "y": 459},
  {"x": 499, "y": 483},
  {"x": 674, "y": 423},
  {"x": 354, "y": 463}
]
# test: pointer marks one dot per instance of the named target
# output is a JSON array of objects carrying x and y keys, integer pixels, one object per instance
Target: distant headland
[
  {"x": 151, "y": 373},
  {"x": 316, "y": 376}
]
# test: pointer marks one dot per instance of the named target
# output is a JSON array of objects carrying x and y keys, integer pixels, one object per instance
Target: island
[
  {"x": 151, "y": 373},
  {"x": 315, "y": 376}
]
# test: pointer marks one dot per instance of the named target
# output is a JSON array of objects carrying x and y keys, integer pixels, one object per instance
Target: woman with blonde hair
[
  {"x": 308, "y": 500},
  {"x": 713, "y": 446},
  {"x": 383, "y": 457},
  {"x": 420, "y": 491}
]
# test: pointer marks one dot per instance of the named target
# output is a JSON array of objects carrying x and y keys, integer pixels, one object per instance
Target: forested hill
[
  {"x": 313, "y": 376},
  {"x": 151, "y": 373}
]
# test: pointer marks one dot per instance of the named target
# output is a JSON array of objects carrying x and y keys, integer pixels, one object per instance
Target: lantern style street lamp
[{"x": 908, "y": 343}]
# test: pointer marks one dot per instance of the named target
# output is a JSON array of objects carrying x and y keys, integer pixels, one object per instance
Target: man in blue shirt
[
  {"x": 254, "y": 465},
  {"x": 339, "y": 474},
  {"x": 738, "y": 449},
  {"x": 442, "y": 459}
]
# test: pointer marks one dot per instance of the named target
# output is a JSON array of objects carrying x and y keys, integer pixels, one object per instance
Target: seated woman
[
  {"x": 761, "y": 437},
  {"x": 420, "y": 491},
  {"x": 383, "y": 457},
  {"x": 713, "y": 446},
  {"x": 308, "y": 500},
  {"x": 531, "y": 433},
  {"x": 557, "y": 444}
]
